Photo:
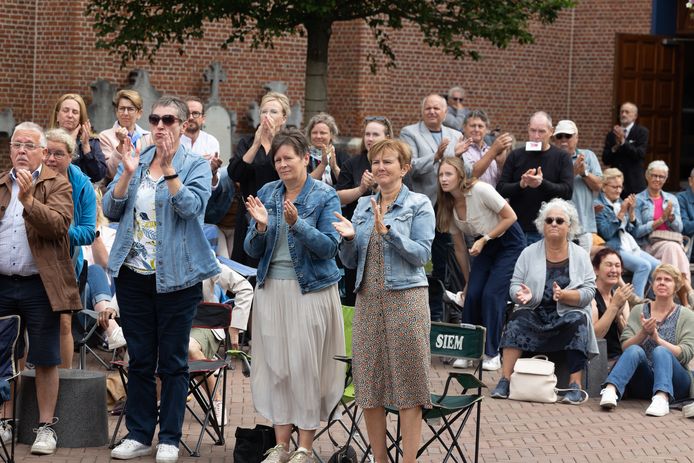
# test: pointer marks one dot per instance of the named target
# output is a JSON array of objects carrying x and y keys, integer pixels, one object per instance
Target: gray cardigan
[{"x": 531, "y": 269}]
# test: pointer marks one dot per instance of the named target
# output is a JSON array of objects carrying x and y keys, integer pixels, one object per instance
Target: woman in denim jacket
[
  {"x": 159, "y": 259},
  {"x": 658, "y": 210},
  {"x": 297, "y": 315},
  {"x": 389, "y": 242}
]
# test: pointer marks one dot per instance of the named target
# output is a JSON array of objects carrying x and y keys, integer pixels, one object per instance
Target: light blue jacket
[
  {"x": 312, "y": 239},
  {"x": 184, "y": 257},
  {"x": 406, "y": 245},
  {"x": 83, "y": 227},
  {"x": 609, "y": 224},
  {"x": 644, "y": 215}
]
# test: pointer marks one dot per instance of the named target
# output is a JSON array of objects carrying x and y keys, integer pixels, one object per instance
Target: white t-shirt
[
  {"x": 483, "y": 204},
  {"x": 205, "y": 144}
]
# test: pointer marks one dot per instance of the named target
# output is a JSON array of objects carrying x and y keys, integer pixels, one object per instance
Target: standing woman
[
  {"x": 252, "y": 166},
  {"x": 70, "y": 113},
  {"x": 297, "y": 315},
  {"x": 467, "y": 207},
  {"x": 325, "y": 162},
  {"x": 389, "y": 241},
  {"x": 159, "y": 259}
]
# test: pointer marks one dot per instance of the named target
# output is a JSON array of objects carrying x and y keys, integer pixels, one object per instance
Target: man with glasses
[
  {"x": 456, "y": 113},
  {"x": 587, "y": 180},
  {"x": 625, "y": 149},
  {"x": 37, "y": 279},
  {"x": 534, "y": 174}
]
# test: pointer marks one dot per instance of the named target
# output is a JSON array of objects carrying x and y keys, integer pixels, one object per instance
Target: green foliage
[{"x": 134, "y": 29}]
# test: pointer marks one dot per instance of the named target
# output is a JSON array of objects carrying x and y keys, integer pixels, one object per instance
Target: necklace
[{"x": 389, "y": 203}]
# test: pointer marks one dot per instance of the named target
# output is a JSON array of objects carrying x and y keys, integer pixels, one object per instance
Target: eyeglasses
[
  {"x": 561, "y": 136},
  {"x": 195, "y": 114},
  {"x": 615, "y": 187},
  {"x": 57, "y": 155},
  {"x": 167, "y": 119},
  {"x": 15, "y": 145},
  {"x": 126, "y": 109},
  {"x": 658, "y": 177},
  {"x": 557, "y": 220},
  {"x": 456, "y": 99}
]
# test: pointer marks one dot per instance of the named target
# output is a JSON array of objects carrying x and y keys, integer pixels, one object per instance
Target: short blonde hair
[
  {"x": 130, "y": 95},
  {"x": 671, "y": 270},
  {"x": 611, "y": 174},
  {"x": 400, "y": 147},
  {"x": 281, "y": 98}
]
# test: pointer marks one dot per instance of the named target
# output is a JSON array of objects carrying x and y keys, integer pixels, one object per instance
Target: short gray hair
[
  {"x": 456, "y": 89},
  {"x": 543, "y": 114},
  {"x": 61, "y": 136},
  {"x": 323, "y": 118},
  {"x": 567, "y": 208},
  {"x": 176, "y": 102},
  {"x": 657, "y": 164},
  {"x": 442, "y": 99},
  {"x": 32, "y": 127},
  {"x": 477, "y": 114}
]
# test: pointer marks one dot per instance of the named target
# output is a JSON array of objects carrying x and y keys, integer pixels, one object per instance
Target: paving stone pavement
[{"x": 511, "y": 432}]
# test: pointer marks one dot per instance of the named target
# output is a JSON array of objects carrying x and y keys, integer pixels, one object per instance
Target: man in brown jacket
[{"x": 37, "y": 280}]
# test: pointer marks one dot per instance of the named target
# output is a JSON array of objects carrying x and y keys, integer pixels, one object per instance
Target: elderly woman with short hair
[
  {"x": 325, "y": 163},
  {"x": 658, "y": 210},
  {"x": 553, "y": 286},
  {"x": 658, "y": 343}
]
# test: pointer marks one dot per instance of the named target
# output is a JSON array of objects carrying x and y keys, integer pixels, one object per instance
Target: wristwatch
[{"x": 487, "y": 238}]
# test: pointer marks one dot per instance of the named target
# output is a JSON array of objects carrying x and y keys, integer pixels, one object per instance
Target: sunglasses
[
  {"x": 561, "y": 136},
  {"x": 167, "y": 119},
  {"x": 375, "y": 118},
  {"x": 456, "y": 99},
  {"x": 557, "y": 220}
]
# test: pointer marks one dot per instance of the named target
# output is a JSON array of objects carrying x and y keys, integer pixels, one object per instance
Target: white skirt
[{"x": 294, "y": 377}]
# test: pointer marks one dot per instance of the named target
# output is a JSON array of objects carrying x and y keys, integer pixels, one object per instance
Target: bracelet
[{"x": 171, "y": 177}]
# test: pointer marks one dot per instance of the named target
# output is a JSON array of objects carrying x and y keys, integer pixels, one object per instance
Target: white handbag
[{"x": 533, "y": 380}]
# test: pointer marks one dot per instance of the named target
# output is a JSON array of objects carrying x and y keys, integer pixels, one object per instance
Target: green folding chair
[{"x": 451, "y": 411}]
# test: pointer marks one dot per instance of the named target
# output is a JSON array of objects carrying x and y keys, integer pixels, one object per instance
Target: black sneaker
[{"x": 502, "y": 389}]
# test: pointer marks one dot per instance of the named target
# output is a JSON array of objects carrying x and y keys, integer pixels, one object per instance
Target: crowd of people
[{"x": 538, "y": 223}]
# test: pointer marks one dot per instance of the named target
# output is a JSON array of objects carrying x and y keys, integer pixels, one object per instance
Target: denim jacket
[
  {"x": 686, "y": 199},
  {"x": 184, "y": 257},
  {"x": 644, "y": 215},
  {"x": 609, "y": 225},
  {"x": 312, "y": 239},
  {"x": 406, "y": 245}
]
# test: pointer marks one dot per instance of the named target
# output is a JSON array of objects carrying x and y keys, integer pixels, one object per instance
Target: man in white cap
[{"x": 587, "y": 179}]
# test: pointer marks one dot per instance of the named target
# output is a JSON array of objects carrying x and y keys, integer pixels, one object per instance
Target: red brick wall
[{"x": 510, "y": 84}]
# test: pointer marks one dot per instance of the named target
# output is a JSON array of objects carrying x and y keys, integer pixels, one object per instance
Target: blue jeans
[
  {"x": 641, "y": 264},
  {"x": 157, "y": 329},
  {"x": 490, "y": 278},
  {"x": 633, "y": 374},
  {"x": 98, "y": 287},
  {"x": 441, "y": 247}
]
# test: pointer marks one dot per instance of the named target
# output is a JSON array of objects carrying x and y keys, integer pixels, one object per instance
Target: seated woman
[
  {"x": 658, "y": 210},
  {"x": 553, "y": 285},
  {"x": 610, "y": 306},
  {"x": 616, "y": 222},
  {"x": 658, "y": 344}
]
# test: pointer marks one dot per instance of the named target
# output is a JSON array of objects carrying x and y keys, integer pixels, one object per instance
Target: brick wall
[{"x": 509, "y": 84}]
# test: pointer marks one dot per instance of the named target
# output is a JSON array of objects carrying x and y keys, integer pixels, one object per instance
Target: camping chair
[
  {"x": 450, "y": 411},
  {"x": 350, "y": 410},
  {"x": 208, "y": 315},
  {"x": 9, "y": 333}
]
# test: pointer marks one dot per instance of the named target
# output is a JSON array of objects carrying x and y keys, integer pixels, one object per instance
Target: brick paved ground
[{"x": 511, "y": 431}]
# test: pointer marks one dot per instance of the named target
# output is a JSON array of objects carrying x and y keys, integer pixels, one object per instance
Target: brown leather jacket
[{"x": 47, "y": 223}]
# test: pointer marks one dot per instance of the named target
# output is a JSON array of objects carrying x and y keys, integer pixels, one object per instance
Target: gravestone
[
  {"x": 219, "y": 121},
  {"x": 139, "y": 79},
  {"x": 100, "y": 111},
  {"x": 7, "y": 122}
]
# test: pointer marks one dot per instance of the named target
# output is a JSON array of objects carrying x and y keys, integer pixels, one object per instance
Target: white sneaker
[
  {"x": 491, "y": 364},
  {"x": 688, "y": 410},
  {"x": 116, "y": 339},
  {"x": 219, "y": 412},
  {"x": 167, "y": 453},
  {"x": 608, "y": 399},
  {"x": 5, "y": 432},
  {"x": 129, "y": 449},
  {"x": 659, "y": 406},
  {"x": 461, "y": 363},
  {"x": 46, "y": 441}
]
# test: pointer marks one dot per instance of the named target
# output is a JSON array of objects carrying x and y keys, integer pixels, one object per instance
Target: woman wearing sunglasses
[
  {"x": 553, "y": 286},
  {"x": 159, "y": 259}
]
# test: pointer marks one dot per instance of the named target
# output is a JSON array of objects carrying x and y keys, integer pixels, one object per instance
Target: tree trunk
[{"x": 316, "y": 91}]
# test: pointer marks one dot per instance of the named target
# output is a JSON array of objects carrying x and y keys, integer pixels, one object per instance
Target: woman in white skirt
[{"x": 297, "y": 315}]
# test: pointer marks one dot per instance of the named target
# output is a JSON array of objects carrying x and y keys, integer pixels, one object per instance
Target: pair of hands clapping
[
  {"x": 256, "y": 209},
  {"x": 346, "y": 230},
  {"x": 130, "y": 157},
  {"x": 524, "y": 294}
]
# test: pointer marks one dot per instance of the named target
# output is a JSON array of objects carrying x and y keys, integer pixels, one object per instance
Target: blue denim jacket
[
  {"x": 644, "y": 215},
  {"x": 686, "y": 199},
  {"x": 312, "y": 239},
  {"x": 184, "y": 257},
  {"x": 609, "y": 225},
  {"x": 406, "y": 245}
]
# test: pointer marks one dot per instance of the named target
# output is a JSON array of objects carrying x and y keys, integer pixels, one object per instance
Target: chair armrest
[
  {"x": 342, "y": 358},
  {"x": 466, "y": 380}
]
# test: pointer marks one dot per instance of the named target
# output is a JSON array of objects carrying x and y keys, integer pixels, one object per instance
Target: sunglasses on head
[
  {"x": 167, "y": 119},
  {"x": 557, "y": 220},
  {"x": 561, "y": 136},
  {"x": 375, "y": 118}
]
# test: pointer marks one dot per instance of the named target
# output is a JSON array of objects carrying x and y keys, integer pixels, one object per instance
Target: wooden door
[{"x": 648, "y": 73}]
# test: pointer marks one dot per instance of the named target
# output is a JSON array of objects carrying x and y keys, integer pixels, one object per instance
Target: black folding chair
[
  {"x": 451, "y": 410},
  {"x": 9, "y": 333}
]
